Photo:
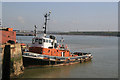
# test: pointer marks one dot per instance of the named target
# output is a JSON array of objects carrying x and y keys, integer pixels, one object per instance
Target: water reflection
[{"x": 53, "y": 72}]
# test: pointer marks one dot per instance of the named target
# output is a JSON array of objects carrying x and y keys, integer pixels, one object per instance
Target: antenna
[
  {"x": 46, "y": 19},
  {"x": 35, "y": 31},
  {"x": 0, "y": 22}
]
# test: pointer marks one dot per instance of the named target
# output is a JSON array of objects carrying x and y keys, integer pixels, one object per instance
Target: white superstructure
[{"x": 45, "y": 42}]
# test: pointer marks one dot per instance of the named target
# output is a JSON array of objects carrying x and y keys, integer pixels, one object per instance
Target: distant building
[
  {"x": 7, "y": 35},
  {"x": 17, "y": 30}
]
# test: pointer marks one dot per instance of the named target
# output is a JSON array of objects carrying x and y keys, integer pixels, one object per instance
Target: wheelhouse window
[
  {"x": 33, "y": 41},
  {"x": 40, "y": 41},
  {"x": 36, "y": 40},
  {"x": 49, "y": 41},
  {"x": 55, "y": 45},
  {"x": 43, "y": 40},
  {"x": 46, "y": 40}
]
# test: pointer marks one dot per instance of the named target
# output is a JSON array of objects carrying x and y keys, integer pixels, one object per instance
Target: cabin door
[{"x": 63, "y": 54}]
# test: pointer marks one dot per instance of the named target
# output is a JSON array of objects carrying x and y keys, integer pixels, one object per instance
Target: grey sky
[
  {"x": 65, "y": 16},
  {"x": 60, "y": 0}
]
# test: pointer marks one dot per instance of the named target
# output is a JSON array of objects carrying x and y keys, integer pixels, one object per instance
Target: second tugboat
[{"x": 47, "y": 51}]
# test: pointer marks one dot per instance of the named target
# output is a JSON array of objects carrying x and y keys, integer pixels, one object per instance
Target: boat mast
[{"x": 45, "y": 24}]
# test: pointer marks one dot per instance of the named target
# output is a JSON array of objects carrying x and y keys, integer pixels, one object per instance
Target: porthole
[{"x": 48, "y": 51}]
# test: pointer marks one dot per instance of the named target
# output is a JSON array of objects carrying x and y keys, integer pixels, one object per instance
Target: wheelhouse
[{"x": 45, "y": 42}]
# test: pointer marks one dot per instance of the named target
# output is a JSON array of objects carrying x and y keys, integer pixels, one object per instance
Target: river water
[{"x": 103, "y": 65}]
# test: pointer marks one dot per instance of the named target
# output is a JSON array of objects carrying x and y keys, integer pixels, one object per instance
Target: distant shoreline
[{"x": 117, "y": 34}]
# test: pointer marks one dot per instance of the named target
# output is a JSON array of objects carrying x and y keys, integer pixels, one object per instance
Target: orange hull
[{"x": 50, "y": 52}]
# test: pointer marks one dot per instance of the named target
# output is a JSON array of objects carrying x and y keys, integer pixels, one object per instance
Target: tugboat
[{"x": 47, "y": 51}]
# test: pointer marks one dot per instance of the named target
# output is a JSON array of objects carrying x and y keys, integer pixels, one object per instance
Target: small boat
[{"x": 47, "y": 51}]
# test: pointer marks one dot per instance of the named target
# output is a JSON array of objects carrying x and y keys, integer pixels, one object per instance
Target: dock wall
[{"x": 12, "y": 61}]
